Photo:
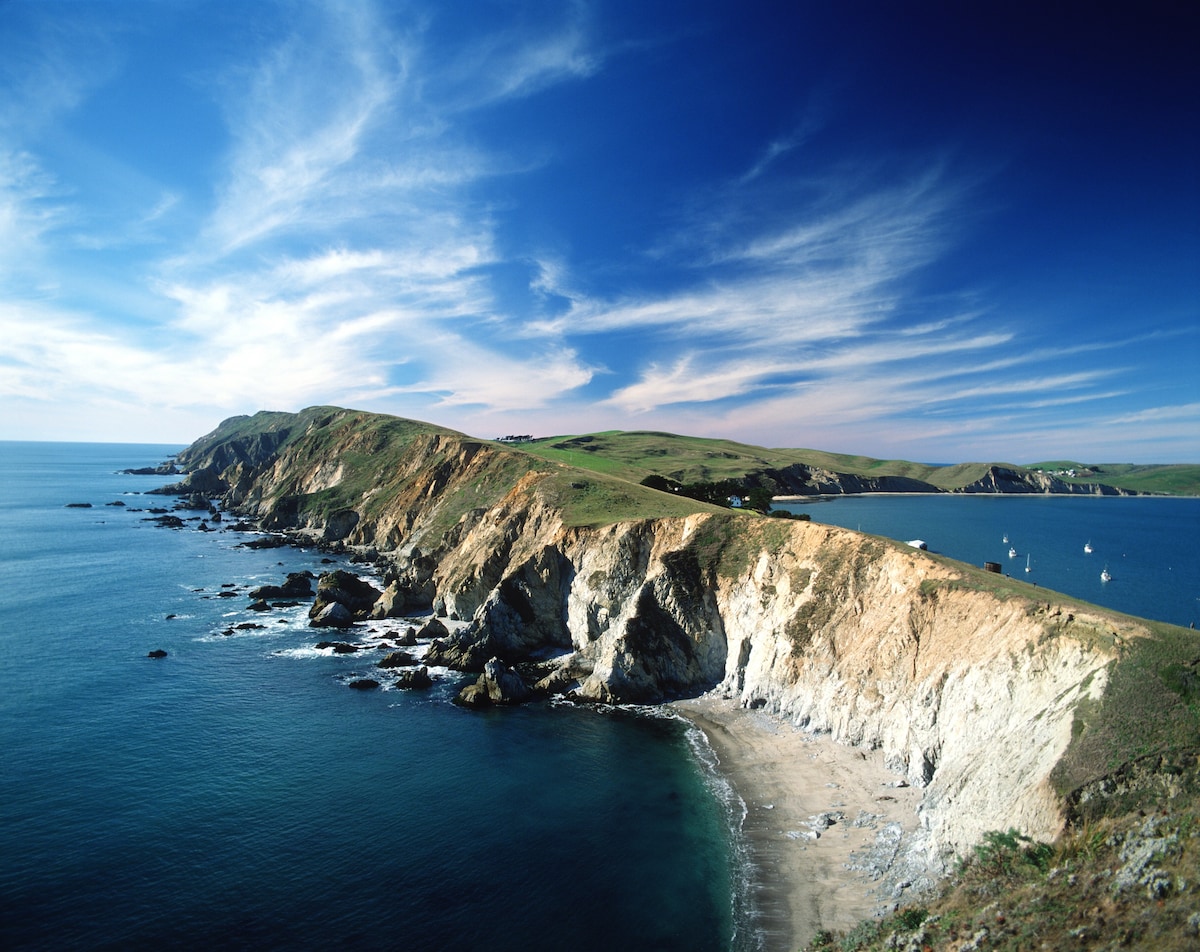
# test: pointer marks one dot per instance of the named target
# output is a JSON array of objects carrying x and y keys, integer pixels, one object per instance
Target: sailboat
[
  {"x": 1087, "y": 547},
  {"x": 1012, "y": 552},
  {"x": 1104, "y": 576},
  {"x": 1027, "y": 568}
]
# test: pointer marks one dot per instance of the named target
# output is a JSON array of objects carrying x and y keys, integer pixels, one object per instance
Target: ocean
[
  {"x": 1148, "y": 544},
  {"x": 237, "y": 794}
]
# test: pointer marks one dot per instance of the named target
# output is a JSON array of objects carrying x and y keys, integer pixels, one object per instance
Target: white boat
[
  {"x": 918, "y": 544},
  {"x": 1104, "y": 576},
  {"x": 1027, "y": 568},
  {"x": 1087, "y": 547},
  {"x": 1005, "y": 539},
  {"x": 1012, "y": 552}
]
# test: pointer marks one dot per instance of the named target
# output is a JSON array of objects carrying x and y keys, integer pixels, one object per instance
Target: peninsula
[{"x": 991, "y": 706}]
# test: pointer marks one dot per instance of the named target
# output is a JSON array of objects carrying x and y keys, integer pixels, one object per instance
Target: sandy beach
[{"x": 814, "y": 808}]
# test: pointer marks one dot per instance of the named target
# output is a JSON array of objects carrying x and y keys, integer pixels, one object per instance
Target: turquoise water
[
  {"x": 236, "y": 794},
  {"x": 1148, "y": 544}
]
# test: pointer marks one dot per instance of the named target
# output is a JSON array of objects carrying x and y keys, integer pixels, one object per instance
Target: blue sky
[{"x": 936, "y": 231}]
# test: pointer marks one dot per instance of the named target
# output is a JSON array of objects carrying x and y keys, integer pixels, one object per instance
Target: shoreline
[{"x": 823, "y": 820}]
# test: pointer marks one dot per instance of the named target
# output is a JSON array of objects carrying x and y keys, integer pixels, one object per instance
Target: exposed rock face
[{"x": 970, "y": 695}]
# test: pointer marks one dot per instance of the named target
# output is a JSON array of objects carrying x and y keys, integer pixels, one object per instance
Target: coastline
[{"x": 814, "y": 809}]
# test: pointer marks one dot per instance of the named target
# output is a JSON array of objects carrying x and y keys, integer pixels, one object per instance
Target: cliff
[{"x": 998, "y": 699}]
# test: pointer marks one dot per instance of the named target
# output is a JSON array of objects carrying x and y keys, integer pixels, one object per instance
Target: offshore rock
[
  {"x": 414, "y": 679},
  {"x": 432, "y": 629},
  {"x": 344, "y": 588},
  {"x": 499, "y": 684},
  {"x": 332, "y": 615},
  {"x": 298, "y": 585},
  {"x": 396, "y": 659}
]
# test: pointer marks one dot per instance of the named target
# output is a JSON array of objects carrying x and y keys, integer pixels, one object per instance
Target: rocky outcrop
[
  {"x": 973, "y": 694},
  {"x": 1003, "y": 479},
  {"x": 342, "y": 595},
  {"x": 498, "y": 684},
  {"x": 297, "y": 585},
  {"x": 414, "y": 679}
]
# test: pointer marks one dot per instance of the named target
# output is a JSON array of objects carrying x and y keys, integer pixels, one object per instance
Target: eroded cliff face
[{"x": 970, "y": 695}]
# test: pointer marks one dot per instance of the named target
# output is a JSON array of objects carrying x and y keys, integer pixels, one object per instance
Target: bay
[
  {"x": 1148, "y": 543},
  {"x": 238, "y": 794}
]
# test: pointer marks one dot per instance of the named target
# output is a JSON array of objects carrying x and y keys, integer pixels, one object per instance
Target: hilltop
[{"x": 1006, "y": 706}]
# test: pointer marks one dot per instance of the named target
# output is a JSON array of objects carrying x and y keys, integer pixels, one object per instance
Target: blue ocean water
[
  {"x": 236, "y": 794},
  {"x": 1148, "y": 543}
]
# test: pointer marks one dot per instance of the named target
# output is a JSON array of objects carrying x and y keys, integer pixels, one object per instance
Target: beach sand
[{"x": 788, "y": 778}]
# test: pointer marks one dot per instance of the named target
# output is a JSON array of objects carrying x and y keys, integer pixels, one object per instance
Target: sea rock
[
  {"x": 408, "y": 639},
  {"x": 79, "y": 505},
  {"x": 499, "y": 684},
  {"x": 157, "y": 653},
  {"x": 397, "y": 659},
  {"x": 391, "y": 603},
  {"x": 344, "y": 588},
  {"x": 364, "y": 684},
  {"x": 298, "y": 585},
  {"x": 339, "y": 647},
  {"x": 332, "y": 615},
  {"x": 266, "y": 542},
  {"x": 433, "y": 629},
  {"x": 162, "y": 469},
  {"x": 414, "y": 678}
]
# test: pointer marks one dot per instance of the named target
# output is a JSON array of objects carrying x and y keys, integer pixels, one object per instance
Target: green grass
[{"x": 596, "y": 499}]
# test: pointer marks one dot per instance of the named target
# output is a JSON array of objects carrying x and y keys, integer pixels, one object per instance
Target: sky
[{"x": 937, "y": 231}]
